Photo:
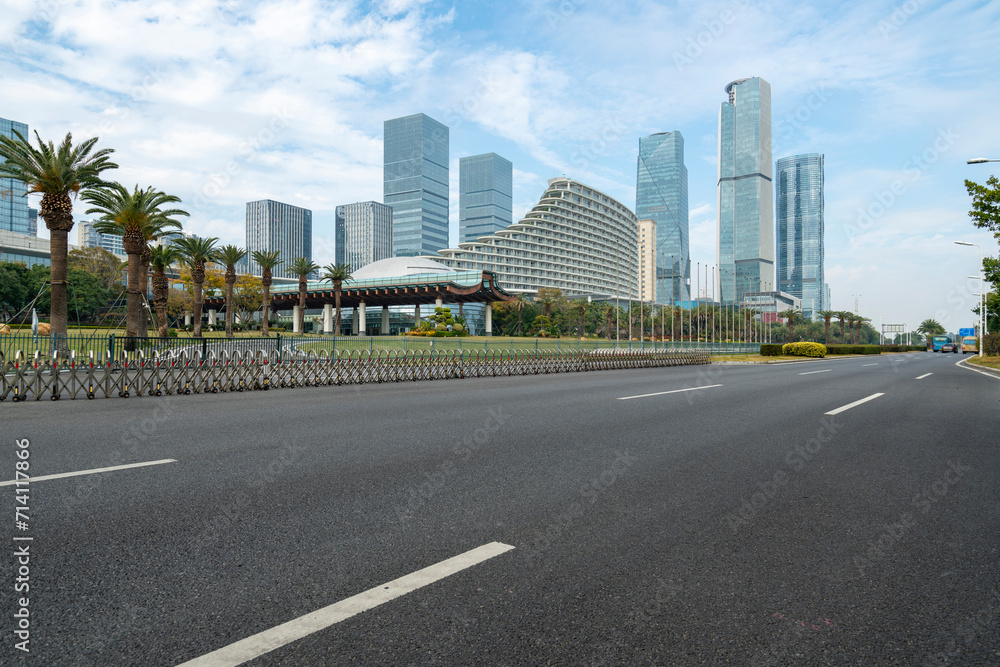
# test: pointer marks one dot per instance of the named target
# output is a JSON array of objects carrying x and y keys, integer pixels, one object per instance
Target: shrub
[
  {"x": 853, "y": 349},
  {"x": 441, "y": 327},
  {"x": 991, "y": 344},
  {"x": 770, "y": 350},
  {"x": 804, "y": 349},
  {"x": 171, "y": 333}
]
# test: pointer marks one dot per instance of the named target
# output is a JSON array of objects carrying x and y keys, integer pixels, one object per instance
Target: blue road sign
[{"x": 967, "y": 332}]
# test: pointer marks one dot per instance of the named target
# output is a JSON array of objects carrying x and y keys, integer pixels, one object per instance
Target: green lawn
[{"x": 988, "y": 362}]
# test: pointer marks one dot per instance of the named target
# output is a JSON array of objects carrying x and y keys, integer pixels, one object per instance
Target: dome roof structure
[{"x": 395, "y": 267}]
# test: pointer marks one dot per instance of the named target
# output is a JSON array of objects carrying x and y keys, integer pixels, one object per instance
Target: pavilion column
[
  {"x": 416, "y": 316},
  {"x": 328, "y": 318},
  {"x": 438, "y": 303},
  {"x": 385, "y": 321},
  {"x": 461, "y": 311},
  {"x": 354, "y": 322},
  {"x": 489, "y": 319},
  {"x": 187, "y": 319},
  {"x": 362, "y": 322},
  {"x": 295, "y": 320},
  {"x": 211, "y": 317}
]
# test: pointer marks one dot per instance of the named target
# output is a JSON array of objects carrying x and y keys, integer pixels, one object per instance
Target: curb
[{"x": 989, "y": 372}]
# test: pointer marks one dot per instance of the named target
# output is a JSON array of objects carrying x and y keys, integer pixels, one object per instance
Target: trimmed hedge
[
  {"x": 804, "y": 349},
  {"x": 854, "y": 349},
  {"x": 770, "y": 350}
]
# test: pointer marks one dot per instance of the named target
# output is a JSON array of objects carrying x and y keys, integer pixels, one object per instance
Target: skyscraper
[
  {"x": 272, "y": 225},
  {"x": 13, "y": 203},
  {"x": 415, "y": 183},
  {"x": 799, "y": 213},
  {"x": 745, "y": 239},
  {"x": 88, "y": 237},
  {"x": 486, "y": 194},
  {"x": 647, "y": 260},
  {"x": 363, "y": 233},
  {"x": 661, "y": 195}
]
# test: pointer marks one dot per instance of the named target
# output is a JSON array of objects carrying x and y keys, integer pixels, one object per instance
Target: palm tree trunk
[
  {"x": 133, "y": 295},
  {"x": 520, "y": 319},
  {"x": 336, "y": 304},
  {"x": 229, "y": 307},
  {"x": 57, "y": 299},
  {"x": 143, "y": 290},
  {"x": 302, "y": 306},
  {"x": 198, "y": 301},
  {"x": 265, "y": 308}
]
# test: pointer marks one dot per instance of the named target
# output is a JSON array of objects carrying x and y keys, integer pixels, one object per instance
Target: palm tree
[
  {"x": 302, "y": 267},
  {"x": 859, "y": 323},
  {"x": 197, "y": 252},
  {"x": 336, "y": 274},
  {"x": 230, "y": 255},
  {"x": 827, "y": 315},
  {"x": 160, "y": 259},
  {"x": 135, "y": 216},
  {"x": 519, "y": 303},
  {"x": 930, "y": 328},
  {"x": 843, "y": 316},
  {"x": 790, "y": 315},
  {"x": 155, "y": 230},
  {"x": 581, "y": 306},
  {"x": 56, "y": 173},
  {"x": 268, "y": 261}
]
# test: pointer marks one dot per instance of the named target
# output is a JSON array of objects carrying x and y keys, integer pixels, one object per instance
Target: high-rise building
[
  {"x": 88, "y": 237},
  {"x": 415, "y": 183},
  {"x": 745, "y": 250},
  {"x": 486, "y": 195},
  {"x": 363, "y": 233},
  {"x": 32, "y": 221},
  {"x": 661, "y": 194},
  {"x": 799, "y": 213},
  {"x": 271, "y": 226},
  {"x": 576, "y": 239},
  {"x": 647, "y": 260},
  {"x": 13, "y": 203}
]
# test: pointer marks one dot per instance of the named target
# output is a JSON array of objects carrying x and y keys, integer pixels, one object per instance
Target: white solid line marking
[
  {"x": 675, "y": 391},
  {"x": 863, "y": 365},
  {"x": 925, "y": 375},
  {"x": 265, "y": 642},
  {"x": 855, "y": 404},
  {"x": 811, "y": 372},
  {"x": 93, "y": 471},
  {"x": 962, "y": 364}
]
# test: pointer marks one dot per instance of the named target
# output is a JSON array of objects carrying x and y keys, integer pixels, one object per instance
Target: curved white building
[{"x": 576, "y": 239}]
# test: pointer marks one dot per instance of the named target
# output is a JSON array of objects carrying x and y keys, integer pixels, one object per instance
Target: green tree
[
  {"x": 103, "y": 264},
  {"x": 58, "y": 174},
  {"x": 137, "y": 216},
  {"x": 791, "y": 316},
  {"x": 843, "y": 317},
  {"x": 827, "y": 316},
  {"x": 301, "y": 268},
  {"x": 268, "y": 262},
  {"x": 160, "y": 259},
  {"x": 230, "y": 256},
  {"x": 14, "y": 289},
  {"x": 248, "y": 297},
  {"x": 930, "y": 328},
  {"x": 87, "y": 296},
  {"x": 197, "y": 252},
  {"x": 337, "y": 274},
  {"x": 985, "y": 211}
]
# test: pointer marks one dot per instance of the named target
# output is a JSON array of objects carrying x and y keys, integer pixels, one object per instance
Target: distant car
[{"x": 949, "y": 347}]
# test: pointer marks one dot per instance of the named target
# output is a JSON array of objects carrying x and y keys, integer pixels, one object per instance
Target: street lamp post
[{"x": 982, "y": 293}]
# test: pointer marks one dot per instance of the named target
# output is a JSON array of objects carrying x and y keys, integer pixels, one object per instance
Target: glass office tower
[
  {"x": 745, "y": 240},
  {"x": 661, "y": 195},
  {"x": 272, "y": 225},
  {"x": 799, "y": 213},
  {"x": 415, "y": 184},
  {"x": 13, "y": 203},
  {"x": 486, "y": 194},
  {"x": 363, "y": 233}
]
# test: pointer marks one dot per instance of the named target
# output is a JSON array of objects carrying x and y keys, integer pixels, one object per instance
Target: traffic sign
[{"x": 970, "y": 331}]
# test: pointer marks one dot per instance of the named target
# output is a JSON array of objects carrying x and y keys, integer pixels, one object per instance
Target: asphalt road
[{"x": 730, "y": 521}]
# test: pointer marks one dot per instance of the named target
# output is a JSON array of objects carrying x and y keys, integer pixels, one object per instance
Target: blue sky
[{"x": 226, "y": 102}]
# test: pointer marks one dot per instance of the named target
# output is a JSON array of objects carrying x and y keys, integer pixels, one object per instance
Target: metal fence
[
  {"x": 186, "y": 371},
  {"x": 133, "y": 347}
]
